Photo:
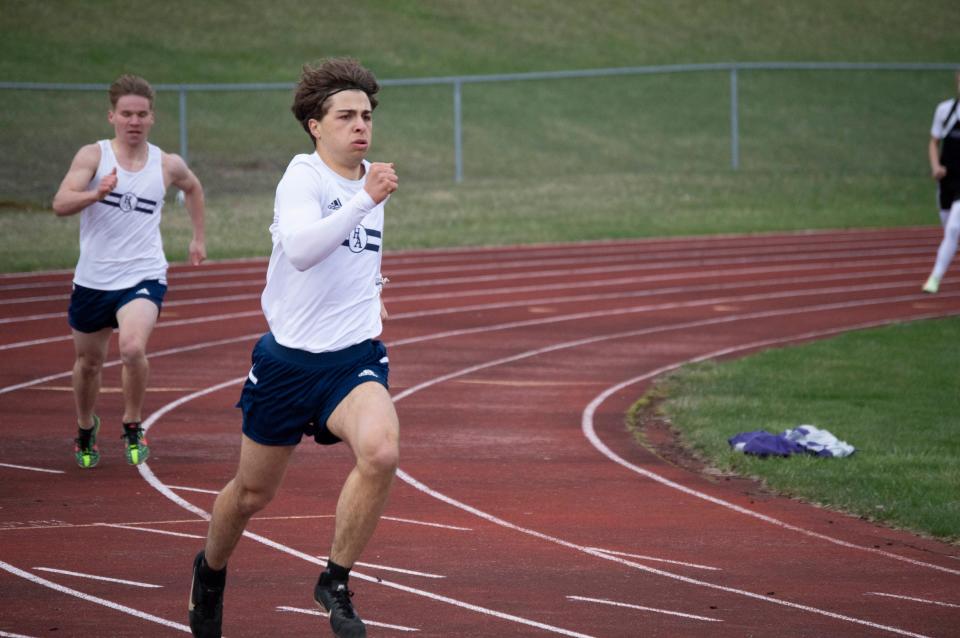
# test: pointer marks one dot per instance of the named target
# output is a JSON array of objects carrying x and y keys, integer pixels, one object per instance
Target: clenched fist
[
  {"x": 381, "y": 181},
  {"x": 107, "y": 184}
]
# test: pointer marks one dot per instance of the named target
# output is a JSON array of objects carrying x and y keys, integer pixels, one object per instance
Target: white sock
[{"x": 948, "y": 246}]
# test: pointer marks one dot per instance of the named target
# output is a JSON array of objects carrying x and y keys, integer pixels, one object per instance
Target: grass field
[
  {"x": 892, "y": 393},
  {"x": 646, "y": 155},
  {"x": 557, "y": 160}
]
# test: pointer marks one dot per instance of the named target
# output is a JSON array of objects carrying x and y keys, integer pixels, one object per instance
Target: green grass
[
  {"x": 247, "y": 41},
  {"x": 640, "y": 153},
  {"x": 893, "y": 393}
]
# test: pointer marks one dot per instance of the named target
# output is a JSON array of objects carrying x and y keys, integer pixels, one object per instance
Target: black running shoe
[
  {"x": 334, "y": 597},
  {"x": 206, "y": 606}
]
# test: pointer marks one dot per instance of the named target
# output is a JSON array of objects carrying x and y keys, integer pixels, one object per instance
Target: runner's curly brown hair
[{"x": 318, "y": 83}]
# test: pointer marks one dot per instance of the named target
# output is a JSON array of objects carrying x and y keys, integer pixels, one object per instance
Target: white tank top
[
  {"x": 120, "y": 243},
  {"x": 336, "y": 303}
]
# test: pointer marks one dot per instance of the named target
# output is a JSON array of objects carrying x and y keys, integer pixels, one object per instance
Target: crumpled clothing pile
[{"x": 803, "y": 439}]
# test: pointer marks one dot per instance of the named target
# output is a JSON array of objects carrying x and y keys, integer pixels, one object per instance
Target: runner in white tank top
[
  {"x": 118, "y": 186},
  {"x": 120, "y": 243}
]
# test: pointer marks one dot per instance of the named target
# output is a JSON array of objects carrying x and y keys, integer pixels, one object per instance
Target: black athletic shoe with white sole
[
  {"x": 334, "y": 597},
  {"x": 206, "y": 606}
]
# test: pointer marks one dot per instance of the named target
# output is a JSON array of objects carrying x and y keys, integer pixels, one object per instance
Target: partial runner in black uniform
[{"x": 944, "y": 152}]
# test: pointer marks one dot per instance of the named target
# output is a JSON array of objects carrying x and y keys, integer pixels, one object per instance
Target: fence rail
[{"x": 457, "y": 82}]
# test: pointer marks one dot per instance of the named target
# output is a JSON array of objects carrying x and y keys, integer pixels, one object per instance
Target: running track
[{"x": 522, "y": 508}]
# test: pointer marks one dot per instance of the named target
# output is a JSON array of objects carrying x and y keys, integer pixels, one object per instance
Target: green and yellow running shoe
[
  {"x": 135, "y": 444},
  {"x": 86, "y": 451}
]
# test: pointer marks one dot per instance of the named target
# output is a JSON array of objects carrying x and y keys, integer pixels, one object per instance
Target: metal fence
[{"x": 735, "y": 72}]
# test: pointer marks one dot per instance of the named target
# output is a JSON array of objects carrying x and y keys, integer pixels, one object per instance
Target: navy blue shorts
[
  {"x": 92, "y": 310},
  {"x": 948, "y": 188},
  {"x": 290, "y": 393}
]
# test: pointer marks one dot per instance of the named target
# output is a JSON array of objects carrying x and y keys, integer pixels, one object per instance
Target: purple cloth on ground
[{"x": 763, "y": 443}]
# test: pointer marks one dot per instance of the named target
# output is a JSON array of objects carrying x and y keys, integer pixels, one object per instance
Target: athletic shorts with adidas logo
[
  {"x": 290, "y": 393},
  {"x": 92, "y": 310}
]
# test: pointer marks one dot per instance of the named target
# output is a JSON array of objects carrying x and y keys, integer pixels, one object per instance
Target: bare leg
[
  {"x": 136, "y": 320},
  {"x": 367, "y": 421},
  {"x": 258, "y": 477},
  {"x": 91, "y": 349}
]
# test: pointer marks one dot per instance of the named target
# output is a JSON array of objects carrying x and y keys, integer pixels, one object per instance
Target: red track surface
[{"x": 522, "y": 508}]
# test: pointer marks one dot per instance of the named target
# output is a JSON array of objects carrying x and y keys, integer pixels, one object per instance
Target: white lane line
[
  {"x": 150, "y": 530},
  {"x": 399, "y": 570},
  {"x": 654, "y": 558},
  {"x": 147, "y": 473},
  {"x": 153, "y": 355},
  {"x": 797, "y": 263},
  {"x": 648, "y": 261},
  {"x": 542, "y": 321},
  {"x": 906, "y": 266},
  {"x": 182, "y": 269},
  {"x": 665, "y": 258},
  {"x": 317, "y": 612},
  {"x": 911, "y": 598},
  {"x": 590, "y": 433},
  {"x": 871, "y": 269},
  {"x": 797, "y": 239},
  {"x": 442, "y": 335},
  {"x": 167, "y": 324},
  {"x": 822, "y": 250},
  {"x": 48, "y": 315},
  {"x": 93, "y": 599},
  {"x": 238, "y": 283},
  {"x": 695, "y": 262},
  {"x": 645, "y": 568},
  {"x": 193, "y": 489},
  {"x": 774, "y": 241},
  {"x": 604, "y": 601},
  {"x": 669, "y": 290},
  {"x": 19, "y": 300},
  {"x": 4, "y": 634},
  {"x": 151, "y": 478},
  {"x": 867, "y": 272},
  {"x": 673, "y": 257},
  {"x": 166, "y": 304},
  {"x": 32, "y": 469},
  {"x": 440, "y": 525},
  {"x": 103, "y": 578},
  {"x": 8, "y": 526}
]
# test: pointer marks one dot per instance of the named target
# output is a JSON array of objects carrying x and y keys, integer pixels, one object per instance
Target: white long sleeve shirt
[{"x": 322, "y": 290}]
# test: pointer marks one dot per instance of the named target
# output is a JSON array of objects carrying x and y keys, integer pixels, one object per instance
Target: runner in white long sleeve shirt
[{"x": 319, "y": 371}]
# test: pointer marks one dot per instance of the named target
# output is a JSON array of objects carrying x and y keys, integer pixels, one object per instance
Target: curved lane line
[
  {"x": 613, "y": 603},
  {"x": 158, "y": 485},
  {"x": 93, "y": 599},
  {"x": 591, "y": 435},
  {"x": 116, "y": 362},
  {"x": 919, "y": 270},
  {"x": 148, "y": 475},
  {"x": 501, "y": 326}
]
